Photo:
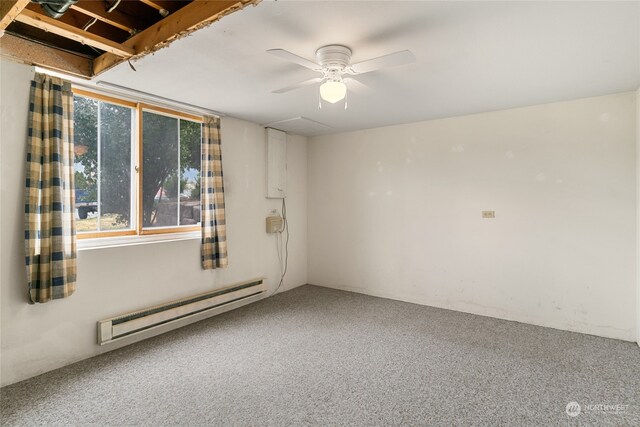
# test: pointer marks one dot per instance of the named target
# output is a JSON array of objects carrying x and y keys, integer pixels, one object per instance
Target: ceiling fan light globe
[{"x": 333, "y": 91}]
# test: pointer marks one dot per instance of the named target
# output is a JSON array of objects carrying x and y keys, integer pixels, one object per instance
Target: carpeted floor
[{"x": 316, "y": 356}]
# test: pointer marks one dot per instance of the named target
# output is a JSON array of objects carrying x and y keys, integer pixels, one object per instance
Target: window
[
  {"x": 137, "y": 168},
  {"x": 170, "y": 170},
  {"x": 103, "y": 163}
]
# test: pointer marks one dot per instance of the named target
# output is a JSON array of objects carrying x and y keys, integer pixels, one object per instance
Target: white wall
[
  {"x": 38, "y": 338},
  {"x": 396, "y": 212}
]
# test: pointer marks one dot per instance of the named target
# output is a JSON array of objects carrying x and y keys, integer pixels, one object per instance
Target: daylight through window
[{"x": 137, "y": 168}]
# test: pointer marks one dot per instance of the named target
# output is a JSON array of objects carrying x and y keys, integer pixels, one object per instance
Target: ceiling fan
[{"x": 334, "y": 63}]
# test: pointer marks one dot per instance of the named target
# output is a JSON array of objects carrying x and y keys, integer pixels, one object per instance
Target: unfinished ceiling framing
[{"x": 88, "y": 37}]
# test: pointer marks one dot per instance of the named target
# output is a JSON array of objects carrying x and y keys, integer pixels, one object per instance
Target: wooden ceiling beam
[
  {"x": 80, "y": 20},
  {"x": 191, "y": 17},
  {"x": 195, "y": 14},
  {"x": 9, "y": 9},
  {"x": 28, "y": 52},
  {"x": 96, "y": 9},
  {"x": 45, "y": 23},
  {"x": 159, "y": 5}
]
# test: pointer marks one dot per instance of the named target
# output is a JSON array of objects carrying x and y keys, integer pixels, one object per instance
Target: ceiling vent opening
[{"x": 300, "y": 126}]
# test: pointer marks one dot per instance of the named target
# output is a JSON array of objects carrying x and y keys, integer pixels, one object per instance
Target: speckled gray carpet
[{"x": 316, "y": 356}]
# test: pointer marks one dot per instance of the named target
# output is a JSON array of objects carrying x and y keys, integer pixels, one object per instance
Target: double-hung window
[{"x": 137, "y": 167}]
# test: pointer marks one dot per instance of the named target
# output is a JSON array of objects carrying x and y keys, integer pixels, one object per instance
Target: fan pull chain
[
  {"x": 346, "y": 99},
  {"x": 319, "y": 101}
]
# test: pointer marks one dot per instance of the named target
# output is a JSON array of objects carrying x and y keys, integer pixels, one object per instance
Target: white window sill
[{"x": 114, "y": 242}]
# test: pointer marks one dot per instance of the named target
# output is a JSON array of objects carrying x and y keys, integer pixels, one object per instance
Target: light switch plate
[{"x": 488, "y": 214}]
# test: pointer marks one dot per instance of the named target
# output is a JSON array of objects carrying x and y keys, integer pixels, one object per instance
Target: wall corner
[{"x": 638, "y": 216}]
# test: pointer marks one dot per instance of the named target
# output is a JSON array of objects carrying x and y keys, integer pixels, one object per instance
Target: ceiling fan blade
[
  {"x": 355, "y": 85},
  {"x": 292, "y": 57},
  {"x": 391, "y": 60},
  {"x": 299, "y": 85}
]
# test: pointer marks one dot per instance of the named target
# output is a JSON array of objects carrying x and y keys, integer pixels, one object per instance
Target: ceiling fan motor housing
[{"x": 333, "y": 57}]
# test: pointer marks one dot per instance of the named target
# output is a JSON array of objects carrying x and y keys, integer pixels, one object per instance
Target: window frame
[{"x": 137, "y": 163}]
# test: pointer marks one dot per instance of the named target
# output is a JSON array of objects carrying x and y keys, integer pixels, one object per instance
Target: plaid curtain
[
  {"x": 50, "y": 234},
  {"x": 214, "y": 228}
]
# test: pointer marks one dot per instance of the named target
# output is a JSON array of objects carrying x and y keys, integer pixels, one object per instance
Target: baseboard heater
[{"x": 200, "y": 306}]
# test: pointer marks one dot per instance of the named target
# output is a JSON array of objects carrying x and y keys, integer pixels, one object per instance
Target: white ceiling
[{"x": 471, "y": 57}]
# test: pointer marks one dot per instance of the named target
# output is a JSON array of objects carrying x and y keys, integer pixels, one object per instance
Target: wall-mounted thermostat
[{"x": 276, "y": 164}]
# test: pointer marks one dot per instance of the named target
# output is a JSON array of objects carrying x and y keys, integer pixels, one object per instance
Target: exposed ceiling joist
[
  {"x": 191, "y": 17},
  {"x": 22, "y": 50},
  {"x": 9, "y": 9},
  {"x": 188, "y": 18},
  {"x": 85, "y": 23},
  {"x": 43, "y": 22},
  {"x": 91, "y": 38},
  {"x": 158, "y": 5},
  {"x": 97, "y": 10}
]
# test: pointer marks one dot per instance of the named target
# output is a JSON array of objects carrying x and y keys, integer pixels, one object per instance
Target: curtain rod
[
  {"x": 161, "y": 99},
  {"x": 132, "y": 94}
]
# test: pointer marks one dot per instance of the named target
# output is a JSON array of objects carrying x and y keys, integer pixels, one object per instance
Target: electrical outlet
[{"x": 488, "y": 214}]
